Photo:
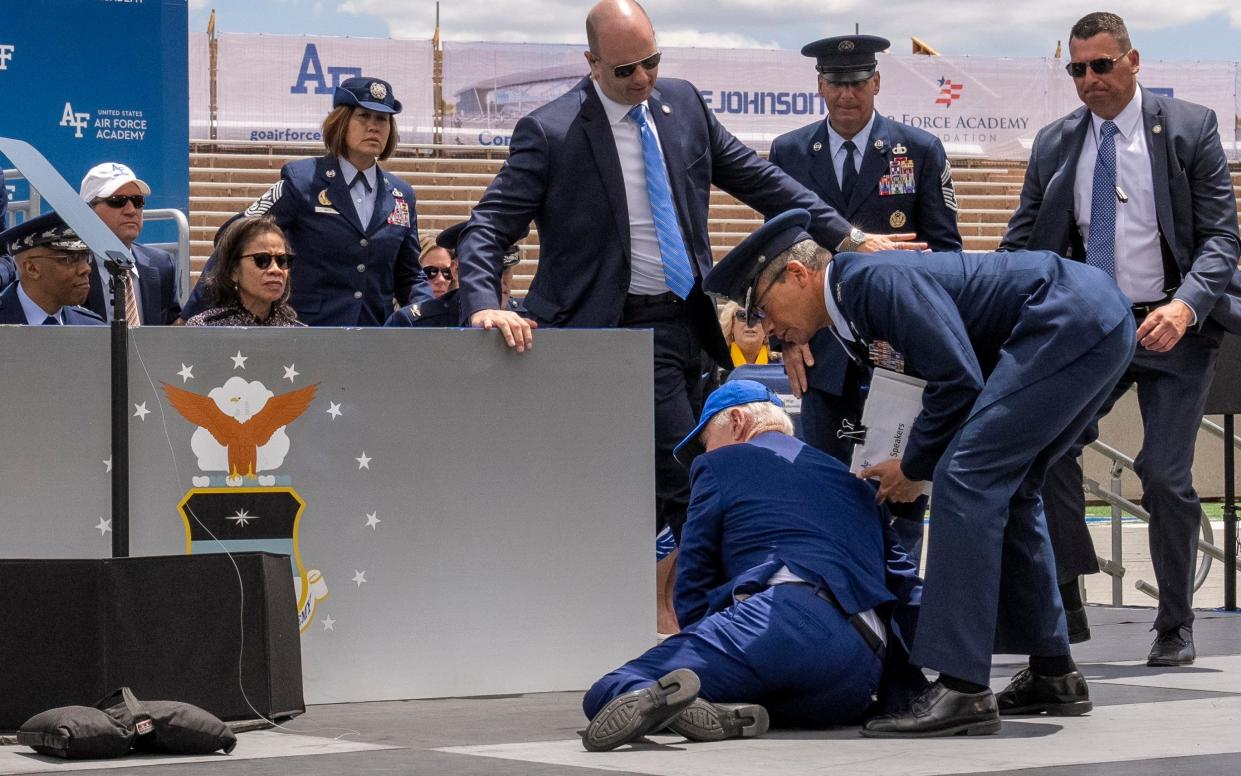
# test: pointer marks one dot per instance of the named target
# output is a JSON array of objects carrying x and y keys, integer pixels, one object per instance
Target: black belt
[
  {"x": 860, "y": 625},
  {"x": 1143, "y": 309},
  {"x": 648, "y": 300}
]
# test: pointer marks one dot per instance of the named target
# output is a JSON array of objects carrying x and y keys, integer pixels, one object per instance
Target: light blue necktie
[
  {"x": 678, "y": 273},
  {"x": 1101, "y": 242}
]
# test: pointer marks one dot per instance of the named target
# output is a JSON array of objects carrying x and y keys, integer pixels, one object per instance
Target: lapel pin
[
  {"x": 396, "y": 193},
  {"x": 323, "y": 200},
  {"x": 897, "y": 219},
  {"x": 879, "y": 145},
  {"x": 816, "y": 147},
  {"x": 330, "y": 173},
  {"x": 1157, "y": 128},
  {"x": 666, "y": 109},
  {"x": 899, "y": 149}
]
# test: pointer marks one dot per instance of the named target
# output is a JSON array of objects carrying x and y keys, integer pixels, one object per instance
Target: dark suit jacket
[
  {"x": 1194, "y": 202},
  {"x": 11, "y": 311},
  {"x": 8, "y": 273},
  {"x": 563, "y": 172},
  {"x": 929, "y": 210},
  {"x": 955, "y": 316},
  {"x": 157, "y": 287}
]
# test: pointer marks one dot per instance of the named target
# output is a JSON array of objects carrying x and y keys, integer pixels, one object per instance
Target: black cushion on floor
[
  {"x": 76, "y": 732},
  {"x": 169, "y": 727}
]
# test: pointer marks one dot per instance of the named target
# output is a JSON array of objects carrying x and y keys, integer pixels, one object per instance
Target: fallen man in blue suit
[
  {"x": 1019, "y": 351},
  {"x": 782, "y": 589}
]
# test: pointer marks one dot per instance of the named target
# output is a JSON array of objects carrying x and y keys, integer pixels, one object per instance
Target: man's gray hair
[
  {"x": 812, "y": 255},
  {"x": 763, "y": 414}
]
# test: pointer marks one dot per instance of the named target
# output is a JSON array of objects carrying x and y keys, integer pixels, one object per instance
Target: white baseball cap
[{"x": 104, "y": 179}]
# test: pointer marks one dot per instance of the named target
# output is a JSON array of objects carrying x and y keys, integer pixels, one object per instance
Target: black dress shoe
[
  {"x": 1059, "y": 696},
  {"x": 1173, "y": 647},
  {"x": 940, "y": 711},
  {"x": 1079, "y": 625},
  {"x": 703, "y": 721},
  {"x": 630, "y": 716}
]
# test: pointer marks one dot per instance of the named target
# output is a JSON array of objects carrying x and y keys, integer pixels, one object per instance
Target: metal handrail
[
  {"x": 180, "y": 250},
  {"x": 1217, "y": 431},
  {"x": 29, "y": 208}
]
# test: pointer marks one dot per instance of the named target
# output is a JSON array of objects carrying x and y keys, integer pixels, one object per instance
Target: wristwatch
[{"x": 855, "y": 238}]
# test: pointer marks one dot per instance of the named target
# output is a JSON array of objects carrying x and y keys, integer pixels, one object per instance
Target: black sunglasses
[
  {"x": 1099, "y": 66},
  {"x": 624, "y": 71},
  {"x": 118, "y": 200},
  {"x": 743, "y": 315},
  {"x": 264, "y": 260},
  {"x": 433, "y": 271}
]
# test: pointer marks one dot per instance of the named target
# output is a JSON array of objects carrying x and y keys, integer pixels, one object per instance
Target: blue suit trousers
[{"x": 785, "y": 648}]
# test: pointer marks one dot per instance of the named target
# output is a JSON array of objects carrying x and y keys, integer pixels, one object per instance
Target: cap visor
[
  {"x": 848, "y": 76},
  {"x": 379, "y": 107},
  {"x": 690, "y": 448}
]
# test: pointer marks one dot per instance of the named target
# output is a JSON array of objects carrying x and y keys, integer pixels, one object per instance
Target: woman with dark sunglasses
[
  {"x": 249, "y": 282},
  {"x": 352, "y": 225},
  {"x": 438, "y": 264},
  {"x": 746, "y": 341}
]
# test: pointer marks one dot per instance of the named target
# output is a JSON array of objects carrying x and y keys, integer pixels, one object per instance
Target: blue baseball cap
[
  {"x": 731, "y": 394},
  {"x": 370, "y": 93}
]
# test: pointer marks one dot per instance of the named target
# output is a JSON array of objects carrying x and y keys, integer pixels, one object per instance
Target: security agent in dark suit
[
  {"x": 617, "y": 175},
  {"x": 119, "y": 198},
  {"x": 1138, "y": 184},
  {"x": 1019, "y": 351},
  {"x": 351, "y": 225},
  {"x": 883, "y": 176},
  {"x": 53, "y": 268},
  {"x": 781, "y": 587}
]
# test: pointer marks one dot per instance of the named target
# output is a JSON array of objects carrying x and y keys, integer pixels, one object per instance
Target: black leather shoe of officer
[
  {"x": 940, "y": 711},
  {"x": 630, "y": 716},
  {"x": 1173, "y": 647},
  {"x": 1059, "y": 696},
  {"x": 704, "y": 721},
  {"x": 1079, "y": 625}
]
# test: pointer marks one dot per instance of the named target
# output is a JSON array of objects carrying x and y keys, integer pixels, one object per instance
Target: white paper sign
[{"x": 892, "y": 404}]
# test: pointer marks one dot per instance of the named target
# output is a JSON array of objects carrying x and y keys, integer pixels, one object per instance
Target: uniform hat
[
  {"x": 370, "y": 93},
  {"x": 846, "y": 59},
  {"x": 46, "y": 231},
  {"x": 452, "y": 235},
  {"x": 733, "y": 278},
  {"x": 733, "y": 393},
  {"x": 104, "y": 179}
]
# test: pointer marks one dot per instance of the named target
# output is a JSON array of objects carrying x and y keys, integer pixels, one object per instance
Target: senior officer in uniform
[
  {"x": 617, "y": 174},
  {"x": 119, "y": 198},
  {"x": 883, "y": 176},
  {"x": 351, "y": 225},
  {"x": 54, "y": 275},
  {"x": 1137, "y": 184},
  {"x": 1019, "y": 351}
]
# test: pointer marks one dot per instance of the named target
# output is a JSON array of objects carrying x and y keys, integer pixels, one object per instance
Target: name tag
[{"x": 331, "y": 211}]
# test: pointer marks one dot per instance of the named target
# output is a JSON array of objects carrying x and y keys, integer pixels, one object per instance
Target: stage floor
[{"x": 1146, "y": 721}]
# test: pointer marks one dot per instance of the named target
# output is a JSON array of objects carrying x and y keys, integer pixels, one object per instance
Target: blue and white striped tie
[
  {"x": 1101, "y": 240},
  {"x": 678, "y": 273}
]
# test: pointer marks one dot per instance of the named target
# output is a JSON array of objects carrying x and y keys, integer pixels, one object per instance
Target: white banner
[{"x": 277, "y": 88}]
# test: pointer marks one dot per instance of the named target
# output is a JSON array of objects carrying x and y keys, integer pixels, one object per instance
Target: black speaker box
[{"x": 192, "y": 628}]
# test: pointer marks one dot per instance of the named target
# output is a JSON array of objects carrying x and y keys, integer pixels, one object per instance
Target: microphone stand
[{"x": 119, "y": 265}]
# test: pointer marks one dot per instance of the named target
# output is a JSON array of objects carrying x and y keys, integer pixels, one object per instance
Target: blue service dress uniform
[
  {"x": 344, "y": 273},
  {"x": 12, "y": 313},
  {"x": 772, "y": 503},
  {"x": 1019, "y": 351}
]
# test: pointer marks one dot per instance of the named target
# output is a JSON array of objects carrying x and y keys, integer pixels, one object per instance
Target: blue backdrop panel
[{"x": 89, "y": 81}]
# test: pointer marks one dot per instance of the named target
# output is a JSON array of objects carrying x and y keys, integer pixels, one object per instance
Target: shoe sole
[
  {"x": 630, "y": 716},
  {"x": 703, "y": 721},
  {"x": 970, "y": 729},
  {"x": 1165, "y": 663},
  {"x": 1073, "y": 709}
]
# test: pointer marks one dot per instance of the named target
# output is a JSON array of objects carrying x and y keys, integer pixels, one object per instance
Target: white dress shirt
[
  {"x": 835, "y": 144},
  {"x": 363, "y": 199},
  {"x": 35, "y": 315},
  {"x": 1139, "y": 259},
  {"x": 646, "y": 264}
]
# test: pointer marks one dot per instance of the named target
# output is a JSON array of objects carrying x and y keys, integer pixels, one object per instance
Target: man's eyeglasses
[
  {"x": 433, "y": 271},
  {"x": 754, "y": 312},
  {"x": 624, "y": 71},
  {"x": 74, "y": 259},
  {"x": 118, "y": 200},
  {"x": 1099, "y": 66},
  {"x": 264, "y": 260}
]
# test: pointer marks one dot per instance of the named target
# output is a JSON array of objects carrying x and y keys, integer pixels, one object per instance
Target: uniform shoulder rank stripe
[
  {"x": 265, "y": 203},
  {"x": 950, "y": 191},
  {"x": 884, "y": 356}
]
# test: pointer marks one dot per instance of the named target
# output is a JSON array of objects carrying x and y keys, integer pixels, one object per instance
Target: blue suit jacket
[
  {"x": 344, "y": 273},
  {"x": 563, "y": 173},
  {"x": 157, "y": 287},
  {"x": 8, "y": 273},
  {"x": 11, "y": 311},
  {"x": 955, "y": 316},
  {"x": 1194, "y": 202},
  {"x": 929, "y": 210}
]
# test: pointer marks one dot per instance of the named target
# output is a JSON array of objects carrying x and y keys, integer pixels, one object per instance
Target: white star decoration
[
  {"x": 186, "y": 373},
  {"x": 141, "y": 411},
  {"x": 329, "y": 624},
  {"x": 372, "y": 521},
  {"x": 290, "y": 372},
  {"x": 107, "y": 464},
  {"x": 364, "y": 461},
  {"x": 333, "y": 409},
  {"x": 359, "y": 577},
  {"x": 242, "y": 518},
  {"x": 239, "y": 361},
  {"x": 105, "y": 526}
]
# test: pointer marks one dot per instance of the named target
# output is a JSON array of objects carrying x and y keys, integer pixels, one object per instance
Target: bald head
[
  {"x": 620, "y": 34},
  {"x": 615, "y": 18}
]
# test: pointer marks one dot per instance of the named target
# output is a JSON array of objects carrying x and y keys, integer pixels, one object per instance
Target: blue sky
[{"x": 1183, "y": 30}]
